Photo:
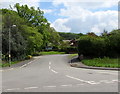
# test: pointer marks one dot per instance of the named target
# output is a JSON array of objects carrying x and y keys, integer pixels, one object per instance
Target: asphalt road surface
[{"x": 52, "y": 73}]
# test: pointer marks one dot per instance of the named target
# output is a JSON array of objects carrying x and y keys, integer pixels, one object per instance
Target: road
[{"x": 52, "y": 73}]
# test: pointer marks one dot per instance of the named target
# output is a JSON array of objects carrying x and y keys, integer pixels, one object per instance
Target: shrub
[
  {"x": 36, "y": 54},
  {"x": 28, "y": 57},
  {"x": 91, "y": 46}
]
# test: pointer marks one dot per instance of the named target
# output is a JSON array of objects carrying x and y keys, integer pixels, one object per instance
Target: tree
[
  {"x": 32, "y": 16},
  {"x": 17, "y": 42}
]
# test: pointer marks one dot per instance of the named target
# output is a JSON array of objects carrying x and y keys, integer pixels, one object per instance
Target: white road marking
[
  {"x": 49, "y": 67},
  {"x": 92, "y": 82},
  {"x": 27, "y": 63},
  {"x": 13, "y": 89},
  {"x": 53, "y": 71},
  {"x": 74, "y": 78},
  {"x": 66, "y": 85},
  {"x": 49, "y": 63},
  {"x": 89, "y": 82},
  {"x": 30, "y": 87},
  {"x": 49, "y": 86},
  {"x": 23, "y": 65},
  {"x": 115, "y": 80}
]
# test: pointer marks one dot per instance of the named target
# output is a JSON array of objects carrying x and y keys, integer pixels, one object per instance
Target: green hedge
[{"x": 100, "y": 46}]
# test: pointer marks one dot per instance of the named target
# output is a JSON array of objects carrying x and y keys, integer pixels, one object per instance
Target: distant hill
[{"x": 69, "y": 36}]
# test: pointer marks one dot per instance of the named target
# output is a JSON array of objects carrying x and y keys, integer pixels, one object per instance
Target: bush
[
  {"x": 36, "y": 54},
  {"x": 100, "y": 46},
  {"x": 28, "y": 57},
  {"x": 91, "y": 46},
  {"x": 69, "y": 49}
]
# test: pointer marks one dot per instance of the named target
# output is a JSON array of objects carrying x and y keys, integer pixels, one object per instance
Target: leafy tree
[
  {"x": 17, "y": 42},
  {"x": 32, "y": 16},
  {"x": 33, "y": 37}
]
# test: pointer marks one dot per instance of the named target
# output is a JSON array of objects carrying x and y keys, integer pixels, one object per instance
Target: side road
[{"x": 74, "y": 62}]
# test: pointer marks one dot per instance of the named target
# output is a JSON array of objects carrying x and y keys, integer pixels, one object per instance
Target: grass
[
  {"x": 72, "y": 55},
  {"x": 103, "y": 62},
  {"x": 51, "y": 53},
  {"x": 7, "y": 64}
]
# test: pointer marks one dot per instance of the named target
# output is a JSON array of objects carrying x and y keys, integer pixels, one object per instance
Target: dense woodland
[{"x": 29, "y": 32}]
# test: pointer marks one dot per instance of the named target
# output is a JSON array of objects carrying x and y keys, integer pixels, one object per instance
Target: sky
[{"x": 76, "y": 16}]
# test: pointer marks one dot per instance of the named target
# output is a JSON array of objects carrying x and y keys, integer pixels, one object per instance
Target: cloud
[
  {"x": 81, "y": 20},
  {"x": 6, "y": 4},
  {"x": 59, "y": 25},
  {"x": 84, "y": 3}
]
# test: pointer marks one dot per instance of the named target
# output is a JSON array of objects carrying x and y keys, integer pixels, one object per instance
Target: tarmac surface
[{"x": 53, "y": 73}]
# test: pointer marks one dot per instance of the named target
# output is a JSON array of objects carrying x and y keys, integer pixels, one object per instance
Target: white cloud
[
  {"x": 83, "y": 20},
  {"x": 59, "y": 25},
  {"x": 87, "y": 4},
  {"x": 6, "y": 4}
]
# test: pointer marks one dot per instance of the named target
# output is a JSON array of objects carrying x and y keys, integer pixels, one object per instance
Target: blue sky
[
  {"x": 76, "y": 16},
  {"x": 52, "y": 16},
  {"x": 56, "y": 10},
  {"x": 81, "y": 17}
]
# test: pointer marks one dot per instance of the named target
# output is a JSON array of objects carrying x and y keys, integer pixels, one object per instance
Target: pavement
[
  {"x": 74, "y": 62},
  {"x": 52, "y": 73}
]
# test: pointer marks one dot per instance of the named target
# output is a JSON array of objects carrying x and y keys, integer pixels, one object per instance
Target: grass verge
[
  {"x": 72, "y": 55},
  {"x": 7, "y": 64},
  {"x": 103, "y": 62},
  {"x": 51, "y": 53}
]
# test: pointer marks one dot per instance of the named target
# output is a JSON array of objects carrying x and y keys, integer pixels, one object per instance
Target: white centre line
[
  {"x": 53, "y": 71},
  {"x": 49, "y": 63},
  {"x": 49, "y": 67},
  {"x": 30, "y": 87}
]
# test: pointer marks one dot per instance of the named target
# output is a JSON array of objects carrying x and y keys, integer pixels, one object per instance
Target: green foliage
[
  {"x": 69, "y": 36},
  {"x": 33, "y": 38},
  {"x": 73, "y": 55},
  {"x": 32, "y": 16},
  {"x": 30, "y": 32},
  {"x": 17, "y": 42},
  {"x": 91, "y": 46},
  {"x": 100, "y": 46}
]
